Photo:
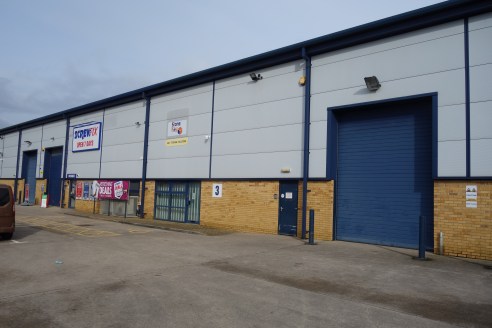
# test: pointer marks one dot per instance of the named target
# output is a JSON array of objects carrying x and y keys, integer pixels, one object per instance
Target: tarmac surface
[{"x": 64, "y": 270}]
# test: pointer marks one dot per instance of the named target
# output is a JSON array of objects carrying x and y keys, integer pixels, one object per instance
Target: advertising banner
[
  {"x": 114, "y": 190},
  {"x": 78, "y": 190},
  {"x": 86, "y": 137}
]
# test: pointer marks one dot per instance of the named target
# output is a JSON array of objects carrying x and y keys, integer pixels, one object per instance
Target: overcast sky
[{"x": 59, "y": 54}]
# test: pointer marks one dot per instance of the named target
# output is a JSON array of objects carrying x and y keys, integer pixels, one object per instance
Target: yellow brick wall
[
  {"x": 86, "y": 206},
  {"x": 149, "y": 199},
  {"x": 8, "y": 182},
  {"x": 247, "y": 206},
  {"x": 467, "y": 231},
  {"x": 40, "y": 183},
  {"x": 320, "y": 199}
]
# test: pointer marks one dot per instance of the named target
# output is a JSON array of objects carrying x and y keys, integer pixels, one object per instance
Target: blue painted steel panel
[
  {"x": 384, "y": 174},
  {"x": 29, "y": 164},
  {"x": 53, "y": 170}
]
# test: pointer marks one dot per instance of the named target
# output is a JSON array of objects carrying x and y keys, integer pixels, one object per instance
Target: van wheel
[{"x": 7, "y": 236}]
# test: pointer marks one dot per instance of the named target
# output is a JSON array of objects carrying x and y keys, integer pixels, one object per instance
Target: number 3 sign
[{"x": 217, "y": 190}]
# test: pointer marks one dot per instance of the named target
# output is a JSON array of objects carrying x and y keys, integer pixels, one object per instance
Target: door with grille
[{"x": 177, "y": 201}]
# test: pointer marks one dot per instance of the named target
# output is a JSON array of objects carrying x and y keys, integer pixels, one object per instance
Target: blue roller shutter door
[{"x": 384, "y": 177}]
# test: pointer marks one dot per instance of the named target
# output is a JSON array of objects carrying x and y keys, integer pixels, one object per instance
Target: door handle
[{"x": 281, "y": 208}]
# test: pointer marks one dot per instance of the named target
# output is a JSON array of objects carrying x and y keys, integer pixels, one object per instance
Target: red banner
[
  {"x": 116, "y": 190},
  {"x": 79, "y": 189}
]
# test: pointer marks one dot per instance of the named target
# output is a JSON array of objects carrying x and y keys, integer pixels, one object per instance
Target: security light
[
  {"x": 372, "y": 83},
  {"x": 255, "y": 77},
  {"x": 27, "y": 142}
]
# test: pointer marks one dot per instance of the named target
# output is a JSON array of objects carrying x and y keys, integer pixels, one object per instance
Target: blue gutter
[
  {"x": 307, "y": 125},
  {"x": 145, "y": 151},
  {"x": 17, "y": 165},
  {"x": 65, "y": 158}
]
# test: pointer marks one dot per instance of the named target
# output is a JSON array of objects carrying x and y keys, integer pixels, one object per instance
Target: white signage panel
[
  {"x": 86, "y": 137},
  {"x": 176, "y": 128},
  {"x": 217, "y": 190}
]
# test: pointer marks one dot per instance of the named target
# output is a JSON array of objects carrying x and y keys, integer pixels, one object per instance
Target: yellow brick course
[
  {"x": 320, "y": 199},
  {"x": 247, "y": 206},
  {"x": 149, "y": 199},
  {"x": 467, "y": 231}
]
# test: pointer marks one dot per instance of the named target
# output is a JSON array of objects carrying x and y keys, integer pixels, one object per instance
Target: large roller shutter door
[{"x": 384, "y": 173}]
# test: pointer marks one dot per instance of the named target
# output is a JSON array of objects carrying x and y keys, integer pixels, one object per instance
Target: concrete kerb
[{"x": 163, "y": 225}]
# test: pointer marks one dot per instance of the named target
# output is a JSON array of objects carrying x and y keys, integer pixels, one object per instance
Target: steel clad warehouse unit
[{"x": 371, "y": 127}]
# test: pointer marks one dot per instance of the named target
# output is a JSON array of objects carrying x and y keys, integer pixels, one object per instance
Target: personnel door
[{"x": 287, "y": 210}]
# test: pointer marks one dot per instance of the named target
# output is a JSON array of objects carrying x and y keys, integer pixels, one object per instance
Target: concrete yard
[{"x": 68, "y": 271}]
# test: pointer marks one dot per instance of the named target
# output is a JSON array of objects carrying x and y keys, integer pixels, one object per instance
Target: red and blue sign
[{"x": 86, "y": 137}]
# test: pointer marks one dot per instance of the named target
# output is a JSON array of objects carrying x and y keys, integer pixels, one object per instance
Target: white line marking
[{"x": 17, "y": 242}]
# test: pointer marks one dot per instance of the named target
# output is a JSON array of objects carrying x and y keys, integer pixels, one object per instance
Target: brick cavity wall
[
  {"x": 248, "y": 206},
  {"x": 40, "y": 189},
  {"x": 149, "y": 199},
  {"x": 320, "y": 199},
  {"x": 467, "y": 231}
]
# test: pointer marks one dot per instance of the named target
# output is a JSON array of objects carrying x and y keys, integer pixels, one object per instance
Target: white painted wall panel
[
  {"x": 272, "y": 139},
  {"x": 264, "y": 165},
  {"x": 56, "y": 131},
  {"x": 480, "y": 21},
  {"x": 481, "y": 83},
  {"x": 481, "y": 158},
  {"x": 481, "y": 120},
  {"x": 282, "y": 112},
  {"x": 259, "y": 121},
  {"x": 296, "y": 66},
  {"x": 317, "y": 163},
  {"x": 179, "y": 168},
  {"x": 317, "y": 138},
  {"x": 452, "y": 158},
  {"x": 415, "y": 60},
  {"x": 480, "y": 46},
  {"x": 113, "y": 170},
  {"x": 187, "y": 161},
  {"x": 411, "y": 38},
  {"x": 269, "y": 89},
  {"x": 9, "y": 159},
  {"x": 188, "y": 93},
  {"x": 84, "y": 170},
  {"x": 450, "y": 123}
]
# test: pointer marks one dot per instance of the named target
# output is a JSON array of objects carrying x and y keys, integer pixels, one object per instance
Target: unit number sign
[{"x": 217, "y": 190}]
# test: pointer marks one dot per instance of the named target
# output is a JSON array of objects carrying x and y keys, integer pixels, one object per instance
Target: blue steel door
[
  {"x": 287, "y": 209},
  {"x": 29, "y": 173},
  {"x": 52, "y": 172},
  {"x": 384, "y": 173}
]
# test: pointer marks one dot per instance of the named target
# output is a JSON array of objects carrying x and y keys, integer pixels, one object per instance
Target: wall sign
[
  {"x": 177, "y": 128},
  {"x": 86, "y": 137},
  {"x": 217, "y": 190},
  {"x": 471, "y": 196},
  {"x": 176, "y": 142}
]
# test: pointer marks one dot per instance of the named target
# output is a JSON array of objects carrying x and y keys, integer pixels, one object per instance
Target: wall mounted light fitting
[
  {"x": 372, "y": 83},
  {"x": 255, "y": 77},
  {"x": 27, "y": 142}
]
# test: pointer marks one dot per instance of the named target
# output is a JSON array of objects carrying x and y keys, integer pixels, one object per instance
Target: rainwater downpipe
[
  {"x": 65, "y": 161},
  {"x": 145, "y": 151},
  {"x": 17, "y": 168},
  {"x": 307, "y": 124}
]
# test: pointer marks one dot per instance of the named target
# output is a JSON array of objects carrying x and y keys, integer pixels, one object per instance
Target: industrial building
[{"x": 371, "y": 127}]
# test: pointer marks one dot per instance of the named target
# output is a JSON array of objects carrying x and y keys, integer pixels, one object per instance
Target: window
[{"x": 177, "y": 201}]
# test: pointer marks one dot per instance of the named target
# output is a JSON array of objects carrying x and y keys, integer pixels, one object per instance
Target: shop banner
[
  {"x": 86, "y": 137},
  {"x": 115, "y": 190},
  {"x": 78, "y": 190}
]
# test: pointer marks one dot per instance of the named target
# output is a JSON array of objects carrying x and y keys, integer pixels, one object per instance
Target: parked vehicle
[{"x": 7, "y": 212}]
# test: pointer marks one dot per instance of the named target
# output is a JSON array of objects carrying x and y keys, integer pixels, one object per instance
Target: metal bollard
[
  {"x": 311, "y": 227},
  {"x": 422, "y": 223}
]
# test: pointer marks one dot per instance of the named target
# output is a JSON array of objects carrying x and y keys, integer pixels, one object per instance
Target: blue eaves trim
[{"x": 410, "y": 21}]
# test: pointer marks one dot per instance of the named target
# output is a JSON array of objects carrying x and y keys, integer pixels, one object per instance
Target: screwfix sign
[{"x": 86, "y": 137}]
